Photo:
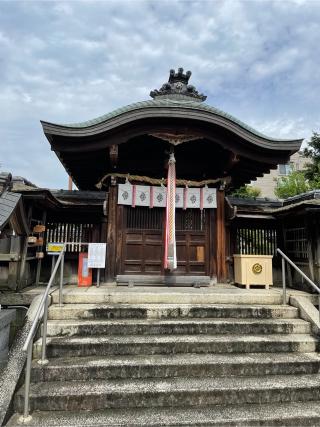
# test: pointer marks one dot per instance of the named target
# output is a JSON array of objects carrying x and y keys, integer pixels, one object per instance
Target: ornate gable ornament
[{"x": 178, "y": 87}]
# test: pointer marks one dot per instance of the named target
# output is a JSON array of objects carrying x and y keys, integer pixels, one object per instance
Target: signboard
[
  {"x": 97, "y": 255},
  {"x": 54, "y": 248}
]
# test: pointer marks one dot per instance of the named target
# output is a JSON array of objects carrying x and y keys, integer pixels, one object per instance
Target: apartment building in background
[{"x": 268, "y": 182}]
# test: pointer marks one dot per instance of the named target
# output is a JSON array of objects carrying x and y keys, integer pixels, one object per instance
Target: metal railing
[
  {"x": 306, "y": 278},
  {"x": 42, "y": 313}
]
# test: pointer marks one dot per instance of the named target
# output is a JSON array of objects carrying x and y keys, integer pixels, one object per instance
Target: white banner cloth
[
  {"x": 142, "y": 195},
  {"x": 125, "y": 194},
  {"x": 209, "y": 198},
  {"x": 159, "y": 197},
  {"x": 159, "y": 194},
  {"x": 193, "y": 198}
]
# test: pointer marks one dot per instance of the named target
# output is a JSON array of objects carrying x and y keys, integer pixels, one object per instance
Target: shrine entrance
[
  {"x": 142, "y": 155},
  {"x": 143, "y": 241}
]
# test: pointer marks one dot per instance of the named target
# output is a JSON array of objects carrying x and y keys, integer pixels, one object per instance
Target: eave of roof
[
  {"x": 63, "y": 199},
  {"x": 93, "y": 126},
  {"x": 302, "y": 204},
  {"x": 306, "y": 201},
  {"x": 12, "y": 211},
  {"x": 8, "y": 203}
]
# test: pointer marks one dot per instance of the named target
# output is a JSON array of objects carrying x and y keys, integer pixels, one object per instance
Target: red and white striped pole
[{"x": 170, "y": 252}]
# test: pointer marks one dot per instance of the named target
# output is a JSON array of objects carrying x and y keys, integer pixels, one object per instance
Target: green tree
[
  {"x": 292, "y": 184},
  {"x": 312, "y": 169},
  {"x": 247, "y": 192}
]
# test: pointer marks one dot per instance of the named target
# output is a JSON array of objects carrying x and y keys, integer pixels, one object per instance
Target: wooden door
[
  {"x": 192, "y": 236},
  {"x": 143, "y": 241}
]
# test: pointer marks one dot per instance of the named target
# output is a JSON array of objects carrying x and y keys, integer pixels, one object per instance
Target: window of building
[{"x": 286, "y": 169}]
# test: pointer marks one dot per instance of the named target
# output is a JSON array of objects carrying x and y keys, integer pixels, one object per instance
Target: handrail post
[
  {"x": 61, "y": 278},
  {"x": 44, "y": 360},
  {"x": 42, "y": 312},
  {"x": 284, "y": 297},
  {"x": 26, "y": 417}
]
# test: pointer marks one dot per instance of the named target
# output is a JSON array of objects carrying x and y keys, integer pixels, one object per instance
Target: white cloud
[{"x": 72, "y": 61}]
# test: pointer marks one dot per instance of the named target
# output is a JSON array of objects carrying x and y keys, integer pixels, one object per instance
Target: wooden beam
[
  {"x": 113, "y": 153},
  {"x": 221, "y": 237}
]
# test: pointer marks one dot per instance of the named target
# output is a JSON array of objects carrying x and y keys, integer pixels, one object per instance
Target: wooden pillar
[
  {"x": 212, "y": 243},
  {"x": 281, "y": 244},
  {"x": 22, "y": 278},
  {"x": 310, "y": 231},
  {"x": 39, "y": 263},
  {"x": 120, "y": 225},
  {"x": 112, "y": 232},
  {"x": 221, "y": 237},
  {"x": 103, "y": 239}
]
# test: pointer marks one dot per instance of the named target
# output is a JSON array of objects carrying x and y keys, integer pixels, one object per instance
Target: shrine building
[{"x": 161, "y": 168}]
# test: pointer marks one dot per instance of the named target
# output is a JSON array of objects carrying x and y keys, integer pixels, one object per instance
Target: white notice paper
[{"x": 97, "y": 255}]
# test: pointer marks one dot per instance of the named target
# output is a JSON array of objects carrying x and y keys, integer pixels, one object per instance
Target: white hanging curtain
[{"x": 156, "y": 197}]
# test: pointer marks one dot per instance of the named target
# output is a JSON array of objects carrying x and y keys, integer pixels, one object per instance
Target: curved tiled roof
[{"x": 167, "y": 103}]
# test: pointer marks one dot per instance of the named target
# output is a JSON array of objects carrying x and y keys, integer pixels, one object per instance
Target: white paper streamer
[
  {"x": 209, "y": 198},
  {"x": 125, "y": 194},
  {"x": 159, "y": 197},
  {"x": 193, "y": 198},
  {"x": 142, "y": 195},
  {"x": 179, "y": 197},
  {"x": 160, "y": 194}
]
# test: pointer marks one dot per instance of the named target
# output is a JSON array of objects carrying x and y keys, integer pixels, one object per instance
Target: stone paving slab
[
  {"x": 100, "y": 394},
  {"x": 285, "y": 414},
  {"x": 160, "y": 311},
  {"x": 193, "y": 325},
  {"x": 178, "y": 365},
  {"x": 173, "y": 344}
]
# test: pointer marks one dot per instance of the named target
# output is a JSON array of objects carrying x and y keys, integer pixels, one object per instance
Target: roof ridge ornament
[{"x": 177, "y": 87}]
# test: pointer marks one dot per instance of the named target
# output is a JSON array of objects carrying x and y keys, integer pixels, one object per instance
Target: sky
[{"x": 71, "y": 61}]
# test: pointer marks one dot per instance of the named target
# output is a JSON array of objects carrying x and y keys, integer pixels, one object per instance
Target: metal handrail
[
  {"x": 42, "y": 313},
  {"x": 289, "y": 261}
]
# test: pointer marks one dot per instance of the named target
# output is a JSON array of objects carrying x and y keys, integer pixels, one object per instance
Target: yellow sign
[
  {"x": 257, "y": 268},
  {"x": 55, "y": 248}
]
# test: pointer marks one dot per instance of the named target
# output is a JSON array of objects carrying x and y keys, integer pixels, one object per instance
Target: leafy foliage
[
  {"x": 312, "y": 170},
  {"x": 247, "y": 192},
  {"x": 298, "y": 182},
  {"x": 291, "y": 185}
]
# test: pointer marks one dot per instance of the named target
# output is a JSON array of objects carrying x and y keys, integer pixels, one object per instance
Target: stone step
[
  {"x": 176, "y": 326},
  {"x": 191, "y": 365},
  {"x": 161, "y": 311},
  {"x": 173, "y": 344},
  {"x": 276, "y": 414},
  {"x": 102, "y": 394},
  {"x": 103, "y": 295}
]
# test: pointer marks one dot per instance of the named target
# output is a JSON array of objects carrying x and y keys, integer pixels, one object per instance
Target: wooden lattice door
[{"x": 143, "y": 237}]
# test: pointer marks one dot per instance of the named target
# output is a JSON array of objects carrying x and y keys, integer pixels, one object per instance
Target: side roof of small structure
[{"x": 12, "y": 210}]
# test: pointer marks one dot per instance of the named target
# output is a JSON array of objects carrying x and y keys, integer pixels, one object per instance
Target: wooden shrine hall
[{"x": 165, "y": 166}]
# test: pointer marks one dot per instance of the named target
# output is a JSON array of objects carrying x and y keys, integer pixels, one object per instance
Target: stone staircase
[{"x": 175, "y": 365}]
